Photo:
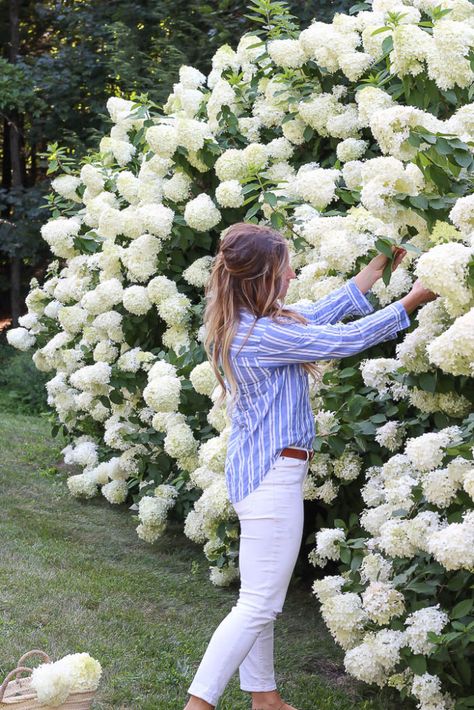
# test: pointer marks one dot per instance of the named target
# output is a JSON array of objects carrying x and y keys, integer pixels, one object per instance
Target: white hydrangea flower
[
  {"x": 375, "y": 657},
  {"x": 453, "y": 545},
  {"x": 101, "y": 299},
  {"x": 66, "y": 186},
  {"x": 51, "y": 683},
  {"x": 201, "y": 213},
  {"x": 453, "y": 350},
  {"x": 223, "y": 576},
  {"x": 163, "y": 139},
  {"x": 325, "y": 421},
  {"x": 375, "y": 372},
  {"x": 327, "y": 547},
  {"x": 160, "y": 288},
  {"x": 439, "y": 488},
  {"x": 135, "y": 300},
  {"x": 394, "y": 538},
  {"x": 230, "y": 166},
  {"x": 444, "y": 269},
  {"x": 286, "y": 53},
  {"x": 382, "y": 602},
  {"x": 92, "y": 178},
  {"x": 375, "y": 568},
  {"x": 105, "y": 351},
  {"x": 157, "y": 219},
  {"x": 198, "y": 273},
  {"x": 462, "y": 214},
  {"x": 229, "y": 194},
  {"x": 316, "y": 185},
  {"x": 212, "y": 452},
  {"x": 426, "y": 451},
  {"x": 82, "y": 485},
  {"x": 426, "y": 689},
  {"x": 177, "y": 188},
  {"x": 390, "y": 435},
  {"x": 328, "y": 587},
  {"x": 345, "y": 618},
  {"x": 448, "y": 60},
  {"x": 20, "y": 338},
  {"x": 92, "y": 378},
  {"x": 347, "y": 467},
  {"x": 162, "y": 393},
  {"x": 59, "y": 234},
  {"x": 420, "y": 623},
  {"x": 400, "y": 283},
  {"x": 203, "y": 379},
  {"x": 115, "y": 492},
  {"x": 350, "y": 149},
  {"x": 293, "y": 130}
]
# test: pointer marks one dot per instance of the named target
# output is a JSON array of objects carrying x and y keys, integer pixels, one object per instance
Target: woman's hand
[
  {"x": 418, "y": 296},
  {"x": 379, "y": 262},
  {"x": 371, "y": 273}
]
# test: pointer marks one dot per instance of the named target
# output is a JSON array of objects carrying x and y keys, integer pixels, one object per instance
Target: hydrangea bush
[{"x": 349, "y": 138}]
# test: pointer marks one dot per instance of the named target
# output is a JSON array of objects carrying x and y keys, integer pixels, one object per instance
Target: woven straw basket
[{"x": 19, "y": 695}]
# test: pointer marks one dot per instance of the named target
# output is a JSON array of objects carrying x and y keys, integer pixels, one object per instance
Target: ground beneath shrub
[{"x": 75, "y": 577}]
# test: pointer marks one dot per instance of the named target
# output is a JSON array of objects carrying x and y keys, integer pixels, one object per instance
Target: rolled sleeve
[
  {"x": 344, "y": 301},
  {"x": 283, "y": 344},
  {"x": 361, "y": 306},
  {"x": 403, "y": 317}
]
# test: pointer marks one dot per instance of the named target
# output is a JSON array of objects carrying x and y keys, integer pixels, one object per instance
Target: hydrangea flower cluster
[
  {"x": 417, "y": 531},
  {"x": 308, "y": 132},
  {"x": 54, "y": 682}
]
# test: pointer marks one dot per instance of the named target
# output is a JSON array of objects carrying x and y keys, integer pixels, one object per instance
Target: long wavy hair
[{"x": 247, "y": 273}]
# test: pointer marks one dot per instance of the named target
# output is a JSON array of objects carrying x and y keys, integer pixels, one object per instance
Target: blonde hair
[{"x": 247, "y": 273}]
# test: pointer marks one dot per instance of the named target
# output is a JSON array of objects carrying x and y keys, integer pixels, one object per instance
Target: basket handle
[
  {"x": 19, "y": 669},
  {"x": 34, "y": 652}
]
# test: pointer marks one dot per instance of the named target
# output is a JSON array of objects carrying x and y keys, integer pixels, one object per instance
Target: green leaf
[
  {"x": 417, "y": 664},
  {"x": 384, "y": 247},
  {"x": 462, "y": 609},
  {"x": 387, "y": 45},
  {"x": 423, "y": 588},
  {"x": 419, "y": 201},
  {"x": 270, "y": 198},
  {"x": 385, "y": 28},
  {"x": 427, "y": 381},
  {"x": 252, "y": 211},
  {"x": 462, "y": 158},
  {"x": 345, "y": 555},
  {"x": 464, "y": 669},
  {"x": 387, "y": 273},
  {"x": 116, "y": 397},
  {"x": 457, "y": 582}
]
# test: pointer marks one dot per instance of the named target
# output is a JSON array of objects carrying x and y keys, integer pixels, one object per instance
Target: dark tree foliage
[{"x": 73, "y": 55}]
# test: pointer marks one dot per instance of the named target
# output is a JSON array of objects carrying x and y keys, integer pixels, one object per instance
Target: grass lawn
[{"x": 74, "y": 576}]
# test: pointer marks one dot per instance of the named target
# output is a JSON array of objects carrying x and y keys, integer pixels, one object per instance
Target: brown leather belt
[{"x": 297, "y": 453}]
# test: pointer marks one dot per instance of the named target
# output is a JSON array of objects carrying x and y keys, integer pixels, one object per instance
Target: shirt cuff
[
  {"x": 403, "y": 319},
  {"x": 361, "y": 304}
]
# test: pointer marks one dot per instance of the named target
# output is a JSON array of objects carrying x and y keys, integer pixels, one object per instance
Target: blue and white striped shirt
[{"x": 274, "y": 410}]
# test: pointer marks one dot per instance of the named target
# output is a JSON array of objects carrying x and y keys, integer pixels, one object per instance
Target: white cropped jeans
[{"x": 271, "y": 522}]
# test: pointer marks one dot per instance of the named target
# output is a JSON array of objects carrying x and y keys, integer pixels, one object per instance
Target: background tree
[{"x": 61, "y": 61}]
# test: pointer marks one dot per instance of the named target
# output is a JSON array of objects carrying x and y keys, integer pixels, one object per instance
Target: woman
[{"x": 266, "y": 351}]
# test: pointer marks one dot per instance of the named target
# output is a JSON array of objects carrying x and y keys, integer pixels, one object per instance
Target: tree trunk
[{"x": 15, "y": 159}]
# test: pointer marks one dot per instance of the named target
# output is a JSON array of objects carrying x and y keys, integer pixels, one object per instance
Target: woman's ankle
[
  {"x": 195, "y": 703},
  {"x": 266, "y": 700}
]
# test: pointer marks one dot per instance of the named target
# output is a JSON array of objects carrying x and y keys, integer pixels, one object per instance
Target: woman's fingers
[{"x": 398, "y": 255}]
